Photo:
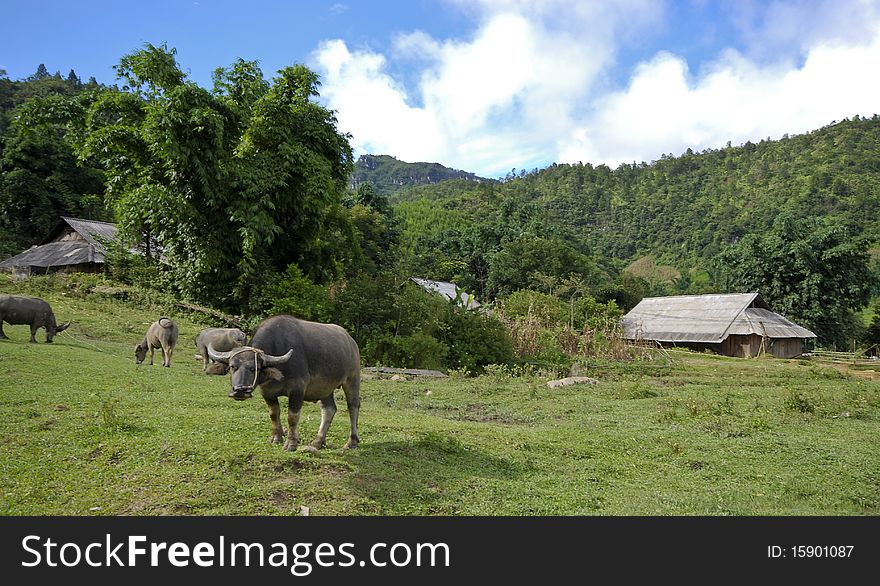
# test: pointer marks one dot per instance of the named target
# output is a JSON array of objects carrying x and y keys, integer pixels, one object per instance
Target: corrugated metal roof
[
  {"x": 92, "y": 230},
  {"x": 706, "y": 319},
  {"x": 448, "y": 290},
  {"x": 55, "y": 254},
  {"x": 764, "y": 322}
]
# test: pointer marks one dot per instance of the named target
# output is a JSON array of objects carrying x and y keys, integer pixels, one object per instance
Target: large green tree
[
  {"x": 40, "y": 177},
  {"x": 232, "y": 182},
  {"x": 810, "y": 270}
]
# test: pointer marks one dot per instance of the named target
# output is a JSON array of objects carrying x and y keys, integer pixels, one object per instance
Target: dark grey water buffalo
[
  {"x": 302, "y": 360},
  {"x": 32, "y": 311},
  {"x": 221, "y": 339},
  {"x": 162, "y": 334}
]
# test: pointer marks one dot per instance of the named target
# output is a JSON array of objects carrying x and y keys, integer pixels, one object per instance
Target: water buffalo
[
  {"x": 221, "y": 339},
  {"x": 32, "y": 311},
  {"x": 162, "y": 334},
  {"x": 302, "y": 360}
]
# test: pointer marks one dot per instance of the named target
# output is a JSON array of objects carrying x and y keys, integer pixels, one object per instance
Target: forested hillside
[
  {"x": 678, "y": 212},
  {"x": 388, "y": 175}
]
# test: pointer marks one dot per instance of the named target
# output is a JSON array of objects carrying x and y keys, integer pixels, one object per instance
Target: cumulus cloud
[
  {"x": 664, "y": 109},
  {"x": 530, "y": 85}
]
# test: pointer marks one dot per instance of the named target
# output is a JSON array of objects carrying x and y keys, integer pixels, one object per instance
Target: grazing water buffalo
[
  {"x": 162, "y": 334},
  {"x": 302, "y": 360},
  {"x": 32, "y": 311},
  {"x": 221, "y": 339}
]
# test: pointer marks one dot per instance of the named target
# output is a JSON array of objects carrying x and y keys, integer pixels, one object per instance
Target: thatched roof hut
[
  {"x": 73, "y": 245},
  {"x": 735, "y": 324}
]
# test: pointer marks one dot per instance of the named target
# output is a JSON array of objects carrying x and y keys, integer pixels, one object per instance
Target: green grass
[{"x": 85, "y": 431}]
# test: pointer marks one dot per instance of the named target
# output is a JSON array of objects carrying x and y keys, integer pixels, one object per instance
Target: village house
[
  {"x": 735, "y": 324},
  {"x": 73, "y": 246}
]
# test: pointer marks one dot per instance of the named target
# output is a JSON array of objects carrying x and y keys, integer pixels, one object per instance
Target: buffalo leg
[
  {"x": 34, "y": 334},
  {"x": 274, "y": 411},
  {"x": 166, "y": 355},
  {"x": 294, "y": 406},
  {"x": 152, "y": 353},
  {"x": 328, "y": 410},
  {"x": 2, "y": 335},
  {"x": 352, "y": 388}
]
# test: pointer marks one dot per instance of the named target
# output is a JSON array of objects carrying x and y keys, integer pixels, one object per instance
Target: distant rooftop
[
  {"x": 448, "y": 290},
  {"x": 707, "y": 319},
  {"x": 73, "y": 241}
]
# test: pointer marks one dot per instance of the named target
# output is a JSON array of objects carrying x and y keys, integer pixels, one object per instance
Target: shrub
[
  {"x": 418, "y": 350},
  {"x": 800, "y": 402},
  {"x": 549, "y": 330},
  {"x": 534, "y": 307},
  {"x": 293, "y": 293}
]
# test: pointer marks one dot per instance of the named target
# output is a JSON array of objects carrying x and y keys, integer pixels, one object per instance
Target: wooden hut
[
  {"x": 73, "y": 245},
  {"x": 736, "y": 324}
]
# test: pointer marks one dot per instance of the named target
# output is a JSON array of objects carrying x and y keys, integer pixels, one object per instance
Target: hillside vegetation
[
  {"x": 87, "y": 432},
  {"x": 681, "y": 210},
  {"x": 389, "y": 175}
]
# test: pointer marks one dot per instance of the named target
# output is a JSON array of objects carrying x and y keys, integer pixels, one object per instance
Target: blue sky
[{"x": 489, "y": 85}]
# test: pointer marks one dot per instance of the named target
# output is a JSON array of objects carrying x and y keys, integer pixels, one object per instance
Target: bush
[
  {"x": 537, "y": 308},
  {"x": 551, "y": 331},
  {"x": 418, "y": 350},
  {"x": 800, "y": 402},
  {"x": 475, "y": 339},
  {"x": 293, "y": 293}
]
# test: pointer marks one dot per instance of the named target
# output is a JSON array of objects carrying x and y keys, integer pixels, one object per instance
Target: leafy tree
[
  {"x": 231, "y": 183},
  {"x": 626, "y": 291},
  {"x": 40, "y": 177},
  {"x": 40, "y": 74},
  {"x": 73, "y": 79},
  {"x": 809, "y": 270},
  {"x": 367, "y": 196},
  {"x": 510, "y": 267}
]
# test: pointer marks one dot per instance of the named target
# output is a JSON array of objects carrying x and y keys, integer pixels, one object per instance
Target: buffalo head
[
  {"x": 249, "y": 367},
  {"x": 140, "y": 352},
  {"x": 52, "y": 330}
]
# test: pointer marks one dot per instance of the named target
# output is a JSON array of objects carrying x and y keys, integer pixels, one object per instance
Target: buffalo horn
[
  {"x": 63, "y": 327},
  {"x": 219, "y": 356},
  {"x": 269, "y": 360}
]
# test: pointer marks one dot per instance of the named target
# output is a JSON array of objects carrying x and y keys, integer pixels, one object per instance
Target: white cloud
[
  {"x": 528, "y": 86},
  {"x": 373, "y": 107},
  {"x": 338, "y": 8},
  {"x": 664, "y": 110}
]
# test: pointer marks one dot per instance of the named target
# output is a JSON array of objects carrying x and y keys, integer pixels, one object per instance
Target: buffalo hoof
[
  {"x": 275, "y": 439},
  {"x": 351, "y": 444},
  {"x": 318, "y": 444},
  {"x": 290, "y": 446}
]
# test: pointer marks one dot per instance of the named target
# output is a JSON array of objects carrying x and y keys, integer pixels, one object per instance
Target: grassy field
[{"x": 86, "y": 431}]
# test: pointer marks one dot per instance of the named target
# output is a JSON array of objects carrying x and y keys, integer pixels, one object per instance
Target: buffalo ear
[
  {"x": 273, "y": 373},
  {"x": 217, "y": 368}
]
